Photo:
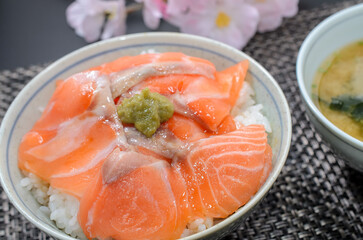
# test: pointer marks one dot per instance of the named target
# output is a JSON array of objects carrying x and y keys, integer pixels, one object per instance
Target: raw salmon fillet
[
  {"x": 223, "y": 172},
  {"x": 194, "y": 86},
  {"x": 198, "y": 164},
  {"x": 77, "y": 130},
  {"x": 219, "y": 175},
  {"x": 135, "y": 197}
]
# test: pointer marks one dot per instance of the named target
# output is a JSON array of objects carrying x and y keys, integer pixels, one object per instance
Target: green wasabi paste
[{"x": 146, "y": 110}]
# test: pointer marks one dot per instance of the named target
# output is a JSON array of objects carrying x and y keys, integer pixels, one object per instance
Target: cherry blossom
[
  {"x": 272, "y": 11},
  {"x": 169, "y": 10},
  {"x": 153, "y": 11},
  {"x": 233, "y": 22},
  {"x": 226, "y": 21},
  {"x": 90, "y": 17}
]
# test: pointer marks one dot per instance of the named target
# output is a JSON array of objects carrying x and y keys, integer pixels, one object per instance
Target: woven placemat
[{"x": 316, "y": 195}]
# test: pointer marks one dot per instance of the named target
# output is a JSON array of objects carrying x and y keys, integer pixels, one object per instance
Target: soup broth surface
[{"x": 338, "y": 89}]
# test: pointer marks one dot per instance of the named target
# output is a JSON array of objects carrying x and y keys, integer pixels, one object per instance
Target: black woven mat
[{"x": 316, "y": 195}]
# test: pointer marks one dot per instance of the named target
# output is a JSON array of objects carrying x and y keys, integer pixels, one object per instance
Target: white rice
[
  {"x": 60, "y": 207},
  {"x": 63, "y": 208},
  {"x": 246, "y": 111},
  {"x": 198, "y": 225},
  {"x": 151, "y": 50}
]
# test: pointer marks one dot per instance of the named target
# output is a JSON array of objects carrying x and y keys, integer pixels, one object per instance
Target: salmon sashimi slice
[
  {"x": 190, "y": 130},
  {"x": 135, "y": 197},
  {"x": 215, "y": 105},
  {"x": 163, "y": 143},
  {"x": 192, "y": 84},
  {"x": 207, "y": 100},
  {"x": 142, "y": 59},
  {"x": 128, "y": 71},
  {"x": 267, "y": 165},
  {"x": 123, "y": 80},
  {"x": 227, "y": 125},
  {"x": 223, "y": 172},
  {"x": 76, "y": 132},
  {"x": 61, "y": 107},
  {"x": 166, "y": 85},
  {"x": 185, "y": 128},
  {"x": 232, "y": 78}
]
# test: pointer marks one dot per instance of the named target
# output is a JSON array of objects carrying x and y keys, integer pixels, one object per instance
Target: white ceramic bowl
[
  {"x": 329, "y": 36},
  {"x": 23, "y": 112}
]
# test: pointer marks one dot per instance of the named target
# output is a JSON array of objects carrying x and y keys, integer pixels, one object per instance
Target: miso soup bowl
[
  {"x": 332, "y": 34},
  {"x": 23, "y": 113}
]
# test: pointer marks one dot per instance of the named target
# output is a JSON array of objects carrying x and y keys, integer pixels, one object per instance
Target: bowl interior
[
  {"x": 25, "y": 109},
  {"x": 332, "y": 34}
]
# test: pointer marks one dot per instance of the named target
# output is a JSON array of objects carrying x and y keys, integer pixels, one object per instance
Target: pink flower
[
  {"x": 170, "y": 10},
  {"x": 229, "y": 21},
  {"x": 272, "y": 11},
  {"x": 152, "y": 12},
  {"x": 88, "y": 17}
]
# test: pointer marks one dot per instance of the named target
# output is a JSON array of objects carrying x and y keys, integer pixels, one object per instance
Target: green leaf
[
  {"x": 357, "y": 113},
  {"x": 345, "y": 102},
  {"x": 351, "y": 105},
  {"x": 336, "y": 104}
]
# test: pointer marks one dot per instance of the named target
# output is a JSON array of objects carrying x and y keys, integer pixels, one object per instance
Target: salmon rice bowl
[{"x": 152, "y": 146}]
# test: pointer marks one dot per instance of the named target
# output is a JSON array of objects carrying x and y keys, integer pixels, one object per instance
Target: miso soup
[{"x": 338, "y": 89}]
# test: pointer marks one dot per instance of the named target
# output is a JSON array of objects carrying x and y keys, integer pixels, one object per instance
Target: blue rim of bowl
[
  {"x": 55, "y": 76},
  {"x": 325, "y": 26}
]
